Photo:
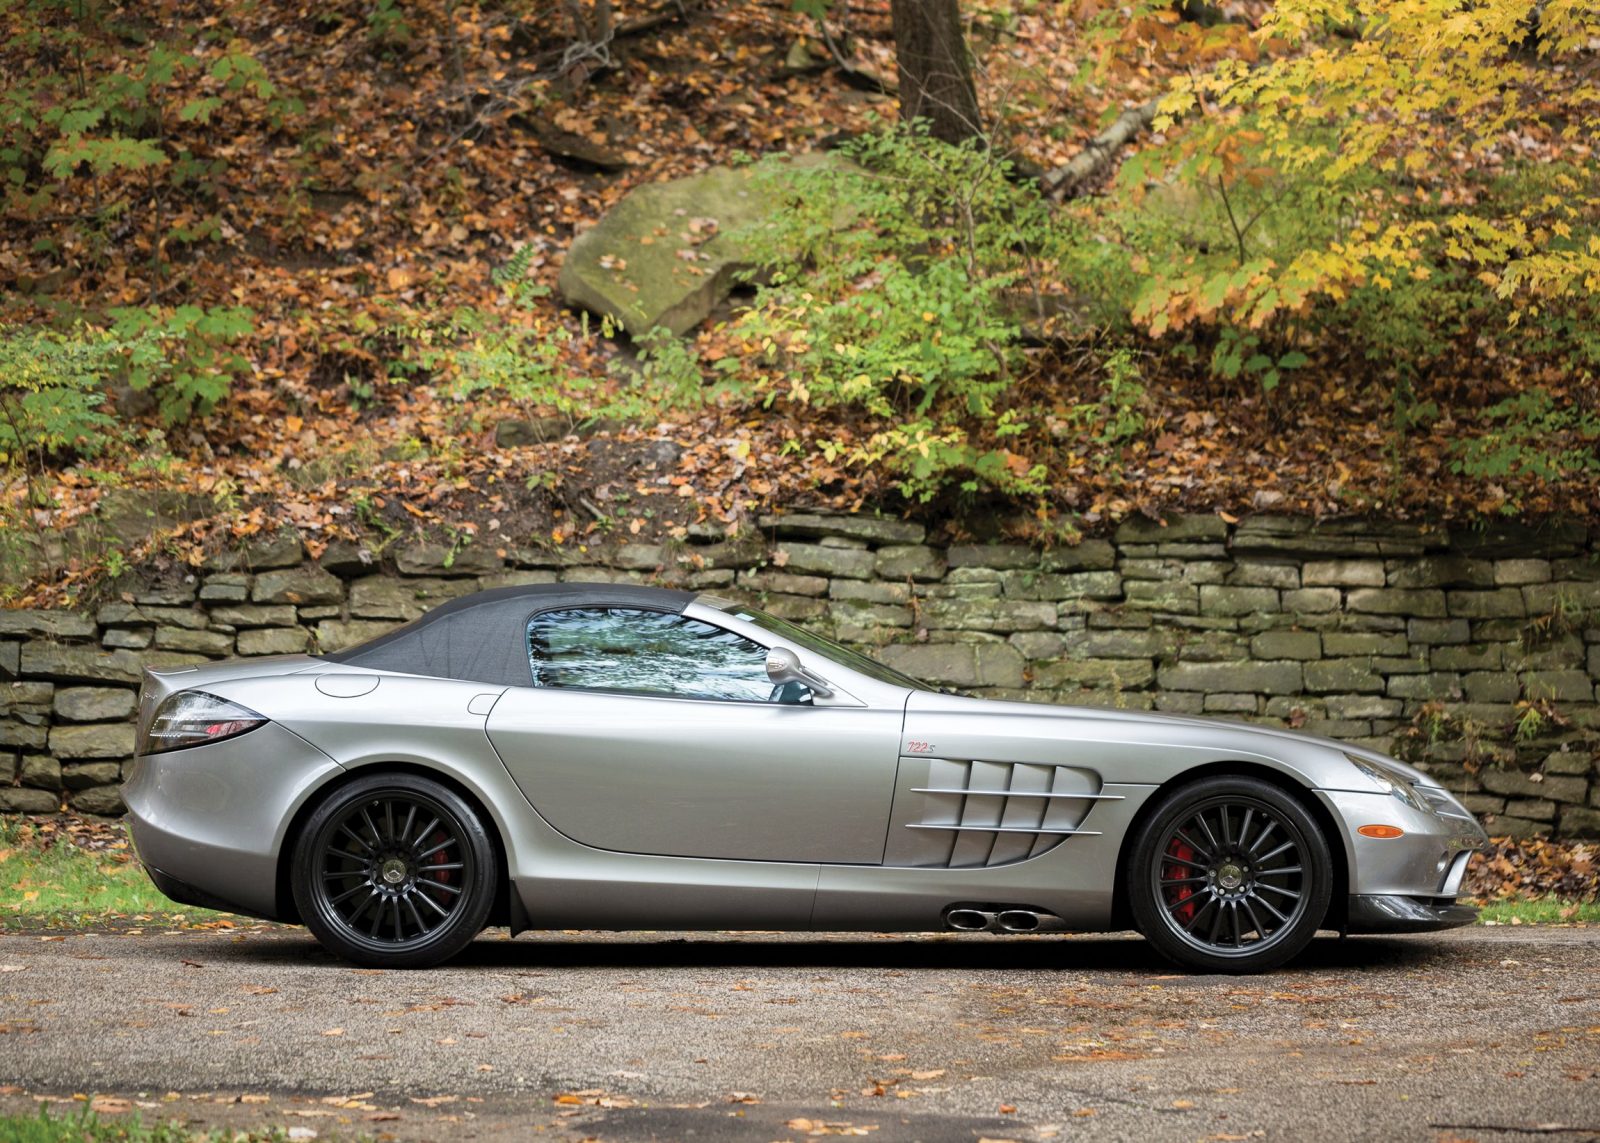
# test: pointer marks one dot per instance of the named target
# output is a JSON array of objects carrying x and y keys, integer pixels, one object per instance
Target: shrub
[
  {"x": 1530, "y": 434},
  {"x": 183, "y": 355},
  {"x": 53, "y": 392},
  {"x": 520, "y": 356},
  {"x": 1117, "y": 418},
  {"x": 895, "y": 284}
]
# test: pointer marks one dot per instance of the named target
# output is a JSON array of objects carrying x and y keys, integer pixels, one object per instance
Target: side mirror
[{"x": 783, "y": 666}]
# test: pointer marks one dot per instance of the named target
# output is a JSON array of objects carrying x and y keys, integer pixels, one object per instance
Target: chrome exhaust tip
[
  {"x": 1018, "y": 921},
  {"x": 969, "y": 920}
]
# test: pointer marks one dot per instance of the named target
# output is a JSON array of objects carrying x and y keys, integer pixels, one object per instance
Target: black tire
[
  {"x": 394, "y": 871},
  {"x": 1230, "y": 874}
]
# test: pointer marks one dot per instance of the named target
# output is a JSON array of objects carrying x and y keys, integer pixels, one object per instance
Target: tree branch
[
  {"x": 1100, "y": 152},
  {"x": 1227, "y": 205},
  {"x": 674, "y": 12},
  {"x": 854, "y": 73}
]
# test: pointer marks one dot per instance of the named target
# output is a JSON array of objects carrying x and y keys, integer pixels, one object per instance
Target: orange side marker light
[{"x": 1381, "y": 831}]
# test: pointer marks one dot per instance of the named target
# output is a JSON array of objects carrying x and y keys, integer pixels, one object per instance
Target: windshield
[{"x": 826, "y": 648}]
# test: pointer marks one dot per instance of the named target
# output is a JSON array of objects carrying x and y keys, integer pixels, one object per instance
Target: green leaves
[
  {"x": 526, "y": 360},
  {"x": 892, "y": 286},
  {"x": 103, "y": 156},
  {"x": 184, "y": 355},
  {"x": 242, "y": 72},
  {"x": 199, "y": 110},
  {"x": 53, "y": 389},
  {"x": 1118, "y": 417},
  {"x": 77, "y": 120},
  {"x": 1243, "y": 354},
  {"x": 1530, "y": 434}
]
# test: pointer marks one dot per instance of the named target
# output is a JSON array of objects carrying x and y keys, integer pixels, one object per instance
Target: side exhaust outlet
[
  {"x": 969, "y": 920},
  {"x": 1017, "y": 921},
  {"x": 997, "y": 919}
]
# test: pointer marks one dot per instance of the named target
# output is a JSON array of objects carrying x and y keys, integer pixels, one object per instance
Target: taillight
[{"x": 194, "y": 718}]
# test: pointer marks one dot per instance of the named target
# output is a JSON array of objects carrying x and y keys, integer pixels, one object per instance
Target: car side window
[{"x": 647, "y": 652}]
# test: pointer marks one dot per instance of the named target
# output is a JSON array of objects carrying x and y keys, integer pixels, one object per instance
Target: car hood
[{"x": 1262, "y": 737}]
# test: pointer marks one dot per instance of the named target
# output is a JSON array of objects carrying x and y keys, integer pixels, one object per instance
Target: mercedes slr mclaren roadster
[{"x": 614, "y": 757}]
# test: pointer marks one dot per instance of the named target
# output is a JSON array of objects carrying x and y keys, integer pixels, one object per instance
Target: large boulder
[{"x": 667, "y": 254}]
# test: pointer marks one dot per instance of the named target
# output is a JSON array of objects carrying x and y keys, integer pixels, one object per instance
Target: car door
[{"x": 652, "y": 732}]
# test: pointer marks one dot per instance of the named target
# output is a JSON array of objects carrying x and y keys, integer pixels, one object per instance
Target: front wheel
[
  {"x": 394, "y": 871},
  {"x": 1230, "y": 874}
]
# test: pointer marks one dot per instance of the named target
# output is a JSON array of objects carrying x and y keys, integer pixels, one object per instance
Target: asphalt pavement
[{"x": 1484, "y": 1033}]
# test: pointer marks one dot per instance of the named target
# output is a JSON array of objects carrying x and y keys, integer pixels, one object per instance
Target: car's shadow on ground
[{"x": 1120, "y": 953}]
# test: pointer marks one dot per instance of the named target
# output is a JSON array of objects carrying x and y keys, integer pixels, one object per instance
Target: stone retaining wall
[{"x": 1474, "y": 653}]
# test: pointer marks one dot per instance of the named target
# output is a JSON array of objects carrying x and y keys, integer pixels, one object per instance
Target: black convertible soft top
[{"x": 483, "y": 638}]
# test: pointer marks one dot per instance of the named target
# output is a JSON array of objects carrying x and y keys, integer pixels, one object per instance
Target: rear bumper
[
  {"x": 1386, "y": 913},
  {"x": 185, "y": 894},
  {"x": 209, "y": 822}
]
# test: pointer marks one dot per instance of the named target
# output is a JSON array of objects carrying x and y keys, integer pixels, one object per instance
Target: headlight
[
  {"x": 194, "y": 718},
  {"x": 1391, "y": 780}
]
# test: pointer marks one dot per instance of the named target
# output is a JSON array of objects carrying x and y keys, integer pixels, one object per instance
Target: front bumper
[
  {"x": 1428, "y": 860},
  {"x": 1379, "y": 913},
  {"x": 209, "y": 822}
]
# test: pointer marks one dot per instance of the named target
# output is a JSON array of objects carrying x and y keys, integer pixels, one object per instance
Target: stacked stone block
[{"x": 1475, "y": 652}]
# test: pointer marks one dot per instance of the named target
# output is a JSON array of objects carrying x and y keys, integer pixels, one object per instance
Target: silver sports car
[{"x": 614, "y": 757}]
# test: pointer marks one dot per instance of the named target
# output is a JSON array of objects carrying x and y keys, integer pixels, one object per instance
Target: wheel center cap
[
  {"x": 394, "y": 871},
  {"x": 1230, "y": 876}
]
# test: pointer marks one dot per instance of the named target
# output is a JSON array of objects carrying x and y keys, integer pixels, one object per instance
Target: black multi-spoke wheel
[
  {"x": 1230, "y": 875},
  {"x": 394, "y": 871}
]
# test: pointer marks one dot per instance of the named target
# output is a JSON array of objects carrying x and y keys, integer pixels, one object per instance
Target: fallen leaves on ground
[
  {"x": 1533, "y": 868},
  {"x": 593, "y": 1097},
  {"x": 815, "y": 1127}
]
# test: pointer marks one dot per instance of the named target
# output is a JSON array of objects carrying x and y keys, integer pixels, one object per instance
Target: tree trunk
[{"x": 935, "y": 73}]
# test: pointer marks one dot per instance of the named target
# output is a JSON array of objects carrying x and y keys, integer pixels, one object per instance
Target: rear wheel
[
  {"x": 394, "y": 871},
  {"x": 1230, "y": 874}
]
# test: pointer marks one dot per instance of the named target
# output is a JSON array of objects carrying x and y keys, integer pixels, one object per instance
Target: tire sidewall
[
  {"x": 466, "y": 921},
  {"x": 1147, "y": 907}
]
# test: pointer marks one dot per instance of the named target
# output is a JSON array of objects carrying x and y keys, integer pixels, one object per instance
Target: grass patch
[
  {"x": 84, "y": 1126},
  {"x": 69, "y": 873},
  {"x": 66, "y": 872},
  {"x": 1544, "y": 911}
]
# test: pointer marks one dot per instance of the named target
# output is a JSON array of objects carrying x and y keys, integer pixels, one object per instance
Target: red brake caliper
[
  {"x": 442, "y": 876},
  {"x": 1183, "y": 893}
]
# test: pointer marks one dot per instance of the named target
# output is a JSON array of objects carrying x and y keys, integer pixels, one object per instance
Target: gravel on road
[{"x": 1484, "y": 1033}]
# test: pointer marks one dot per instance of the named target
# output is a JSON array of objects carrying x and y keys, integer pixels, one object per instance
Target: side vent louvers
[{"x": 974, "y": 814}]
